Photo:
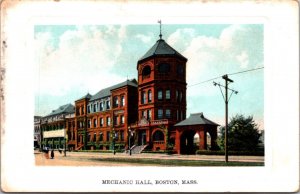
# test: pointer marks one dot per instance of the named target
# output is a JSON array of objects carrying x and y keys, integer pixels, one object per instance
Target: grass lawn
[{"x": 176, "y": 162}]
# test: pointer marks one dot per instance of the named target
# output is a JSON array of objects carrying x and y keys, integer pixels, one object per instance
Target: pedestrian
[{"x": 52, "y": 154}]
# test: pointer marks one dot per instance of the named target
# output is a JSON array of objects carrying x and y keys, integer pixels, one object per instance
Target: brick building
[
  {"x": 146, "y": 114},
  {"x": 103, "y": 118}
]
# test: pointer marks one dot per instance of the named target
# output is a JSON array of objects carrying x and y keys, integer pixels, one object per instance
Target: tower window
[
  {"x": 164, "y": 68},
  {"x": 160, "y": 113},
  {"x": 159, "y": 94},
  {"x": 168, "y": 94},
  {"x": 149, "y": 96},
  {"x": 146, "y": 72},
  {"x": 149, "y": 114},
  {"x": 168, "y": 113},
  {"x": 143, "y": 98},
  {"x": 179, "y": 69}
]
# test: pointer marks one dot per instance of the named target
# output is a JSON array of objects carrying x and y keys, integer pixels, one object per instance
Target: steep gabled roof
[
  {"x": 85, "y": 96},
  {"x": 196, "y": 119},
  {"x": 67, "y": 108},
  {"x": 161, "y": 48},
  {"x": 107, "y": 91}
]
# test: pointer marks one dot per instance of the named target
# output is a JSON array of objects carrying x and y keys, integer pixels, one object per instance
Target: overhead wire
[{"x": 227, "y": 74}]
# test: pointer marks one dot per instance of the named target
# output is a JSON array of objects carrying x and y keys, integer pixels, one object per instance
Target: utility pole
[{"x": 225, "y": 77}]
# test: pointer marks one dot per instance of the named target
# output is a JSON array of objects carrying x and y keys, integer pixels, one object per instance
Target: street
[{"x": 90, "y": 159}]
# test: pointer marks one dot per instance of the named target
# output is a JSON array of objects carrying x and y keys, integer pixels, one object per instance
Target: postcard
[{"x": 159, "y": 96}]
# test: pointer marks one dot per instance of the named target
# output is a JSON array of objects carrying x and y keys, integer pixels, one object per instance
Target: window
[
  {"x": 101, "y": 136},
  {"x": 101, "y": 122},
  {"x": 88, "y": 109},
  {"x": 179, "y": 69},
  {"x": 108, "y": 104},
  {"x": 122, "y": 119},
  {"x": 144, "y": 114},
  {"x": 180, "y": 96},
  {"x": 149, "y": 96},
  {"x": 122, "y": 135},
  {"x": 89, "y": 137},
  {"x": 146, "y": 72},
  {"x": 160, "y": 113},
  {"x": 115, "y": 120},
  {"x": 159, "y": 94},
  {"x": 177, "y": 95},
  {"x": 116, "y": 101},
  {"x": 94, "y": 109},
  {"x": 168, "y": 113},
  {"x": 143, "y": 98},
  {"x": 95, "y": 137},
  {"x": 149, "y": 114},
  {"x": 95, "y": 122},
  {"x": 89, "y": 123},
  {"x": 116, "y": 136},
  {"x": 168, "y": 94},
  {"x": 101, "y": 106},
  {"x": 164, "y": 68},
  {"x": 122, "y": 100},
  {"x": 107, "y": 136},
  {"x": 107, "y": 121},
  {"x": 82, "y": 110}
]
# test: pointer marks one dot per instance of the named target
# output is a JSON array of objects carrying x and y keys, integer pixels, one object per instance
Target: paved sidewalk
[{"x": 83, "y": 158}]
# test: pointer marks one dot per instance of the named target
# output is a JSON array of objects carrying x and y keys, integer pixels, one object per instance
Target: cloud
[
  {"x": 243, "y": 58},
  {"x": 83, "y": 59},
  {"x": 144, "y": 38},
  {"x": 236, "y": 48}
]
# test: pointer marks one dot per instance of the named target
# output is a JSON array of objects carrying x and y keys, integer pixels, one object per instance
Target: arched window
[
  {"x": 158, "y": 136},
  {"x": 164, "y": 68},
  {"x": 149, "y": 96},
  {"x": 146, "y": 72}
]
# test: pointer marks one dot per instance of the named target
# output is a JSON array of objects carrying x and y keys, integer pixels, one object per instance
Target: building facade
[
  {"x": 102, "y": 119},
  {"x": 148, "y": 113},
  {"x": 37, "y": 132},
  {"x": 54, "y": 127}
]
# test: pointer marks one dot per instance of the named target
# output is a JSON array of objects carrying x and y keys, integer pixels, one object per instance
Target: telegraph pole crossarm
[{"x": 227, "y": 81}]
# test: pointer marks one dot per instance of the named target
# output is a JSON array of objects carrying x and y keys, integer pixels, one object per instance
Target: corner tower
[
  {"x": 162, "y": 83},
  {"x": 161, "y": 94}
]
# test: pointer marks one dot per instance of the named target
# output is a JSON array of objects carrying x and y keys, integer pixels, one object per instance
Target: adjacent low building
[{"x": 54, "y": 127}]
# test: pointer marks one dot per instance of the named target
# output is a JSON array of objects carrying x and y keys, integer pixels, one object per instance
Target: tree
[{"x": 243, "y": 134}]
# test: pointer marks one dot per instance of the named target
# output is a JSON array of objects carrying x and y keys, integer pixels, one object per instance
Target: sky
[{"x": 71, "y": 61}]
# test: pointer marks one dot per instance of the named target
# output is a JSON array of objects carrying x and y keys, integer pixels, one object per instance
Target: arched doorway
[
  {"x": 187, "y": 142},
  {"x": 158, "y": 138}
]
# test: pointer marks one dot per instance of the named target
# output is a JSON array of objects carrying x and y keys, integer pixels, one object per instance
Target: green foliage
[{"x": 243, "y": 134}]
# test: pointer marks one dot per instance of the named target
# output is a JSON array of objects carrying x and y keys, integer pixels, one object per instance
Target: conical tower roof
[{"x": 161, "y": 48}]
